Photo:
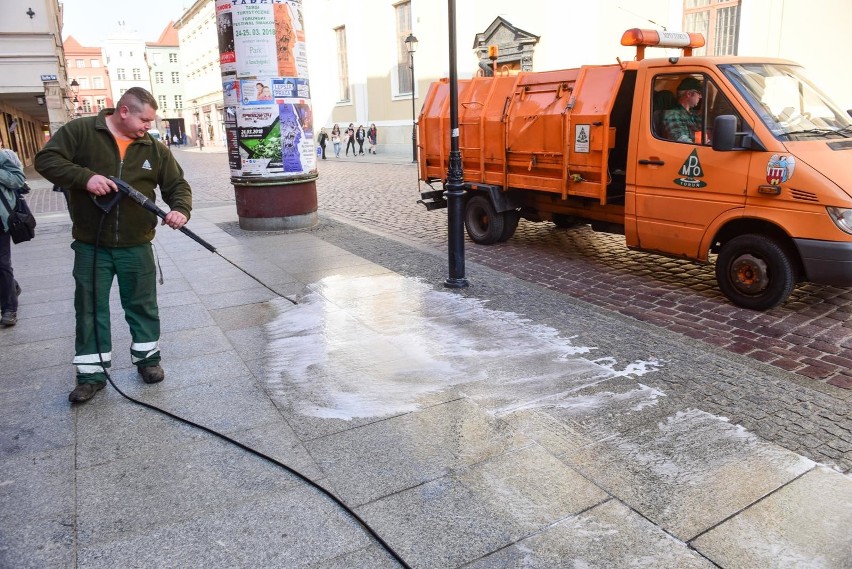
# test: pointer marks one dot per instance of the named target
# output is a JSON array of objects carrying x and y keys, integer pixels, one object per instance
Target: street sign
[{"x": 49, "y": 78}]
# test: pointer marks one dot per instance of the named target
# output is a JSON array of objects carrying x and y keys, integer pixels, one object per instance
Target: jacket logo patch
[{"x": 146, "y": 165}]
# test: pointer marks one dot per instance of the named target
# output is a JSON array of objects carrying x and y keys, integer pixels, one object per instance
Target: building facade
[
  {"x": 799, "y": 30},
  {"x": 361, "y": 70},
  {"x": 124, "y": 53},
  {"x": 203, "y": 109},
  {"x": 164, "y": 66},
  {"x": 34, "y": 93},
  {"x": 85, "y": 66}
]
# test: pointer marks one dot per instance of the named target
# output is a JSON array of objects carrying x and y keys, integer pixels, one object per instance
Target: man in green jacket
[{"x": 80, "y": 157}]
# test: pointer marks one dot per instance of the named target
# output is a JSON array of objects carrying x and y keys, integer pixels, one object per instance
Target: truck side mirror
[{"x": 724, "y": 132}]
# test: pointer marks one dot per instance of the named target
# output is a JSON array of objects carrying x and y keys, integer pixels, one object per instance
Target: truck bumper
[{"x": 826, "y": 262}]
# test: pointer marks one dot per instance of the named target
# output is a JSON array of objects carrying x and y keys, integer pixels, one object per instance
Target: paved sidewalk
[{"x": 486, "y": 427}]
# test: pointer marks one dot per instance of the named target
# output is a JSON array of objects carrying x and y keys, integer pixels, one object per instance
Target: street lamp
[
  {"x": 411, "y": 46},
  {"x": 75, "y": 88},
  {"x": 455, "y": 172}
]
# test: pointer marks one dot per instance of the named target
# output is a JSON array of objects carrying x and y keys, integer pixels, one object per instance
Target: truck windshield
[{"x": 788, "y": 103}]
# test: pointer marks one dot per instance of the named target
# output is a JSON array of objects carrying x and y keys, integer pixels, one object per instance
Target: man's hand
[
  {"x": 100, "y": 185},
  {"x": 175, "y": 219}
]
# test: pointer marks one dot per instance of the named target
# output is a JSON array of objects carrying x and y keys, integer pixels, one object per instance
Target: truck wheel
[
  {"x": 754, "y": 272},
  {"x": 483, "y": 223},
  {"x": 510, "y": 224}
]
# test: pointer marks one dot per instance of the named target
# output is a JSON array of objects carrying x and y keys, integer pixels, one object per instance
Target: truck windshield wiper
[{"x": 845, "y": 132}]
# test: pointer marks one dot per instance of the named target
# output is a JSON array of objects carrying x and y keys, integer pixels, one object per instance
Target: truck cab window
[
  {"x": 717, "y": 104},
  {"x": 685, "y": 106},
  {"x": 677, "y": 108},
  {"x": 790, "y": 106}
]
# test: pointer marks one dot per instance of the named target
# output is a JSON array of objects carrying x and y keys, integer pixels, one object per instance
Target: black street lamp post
[
  {"x": 75, "y": 88},
  {"x": 455, "y": 173},
  {"x": 411, "y": 45}
]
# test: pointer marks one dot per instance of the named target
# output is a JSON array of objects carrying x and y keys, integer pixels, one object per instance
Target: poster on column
[
  {"x": 231, "y": 99},
  {"x": 292, "y": 94},
  {"x": 254, "y": 39},
  {"x": 225, "y": 33},
  {"x": 290, "y": 40},
  {"x": 256, "y": 92},
  {"x": 259, "y": 136}
]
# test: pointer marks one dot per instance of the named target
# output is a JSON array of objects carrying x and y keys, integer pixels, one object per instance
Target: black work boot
[
  {"x": 9, "y": 318},
  {"x": 84, "y": 391},
  {"x": 151, "y": 374}
]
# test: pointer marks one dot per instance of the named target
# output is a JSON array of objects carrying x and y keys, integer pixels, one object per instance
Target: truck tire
[
  {"x": 510, "y": 224},
  {"x": 754, "y": 272},
  {"x": 484, "y": 225}
]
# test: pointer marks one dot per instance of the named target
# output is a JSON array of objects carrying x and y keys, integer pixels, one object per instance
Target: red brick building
[{"x": 85, "y": 65}]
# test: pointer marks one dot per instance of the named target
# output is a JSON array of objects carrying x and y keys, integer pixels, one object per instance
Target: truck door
[{"x": 682, "y": 185}]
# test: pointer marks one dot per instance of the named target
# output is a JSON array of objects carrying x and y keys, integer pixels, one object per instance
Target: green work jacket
[{"x": 85, "y": 147}]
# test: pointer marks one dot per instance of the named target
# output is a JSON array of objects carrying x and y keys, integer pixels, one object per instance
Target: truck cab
[
  {"x": 762, "y": 183},
  {"x": 741, "y": 160}
]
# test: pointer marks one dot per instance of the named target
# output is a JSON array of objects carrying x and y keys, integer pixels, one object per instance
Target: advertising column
[{"x": 268, "y": 120}]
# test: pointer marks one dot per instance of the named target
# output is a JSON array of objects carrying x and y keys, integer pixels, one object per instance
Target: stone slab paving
[
  {"x": 608, "y": 535},
  {"x": 787, "y": 523}
]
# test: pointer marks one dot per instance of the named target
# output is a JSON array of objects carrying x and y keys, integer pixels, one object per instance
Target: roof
[
  {"x": 71, "y": 45},
  {"x": 169, "y": 37},
  {"x": 508, "y": 30}
]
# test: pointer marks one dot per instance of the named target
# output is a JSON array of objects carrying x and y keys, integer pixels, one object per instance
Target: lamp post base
[{"x": 456, "y": 283}]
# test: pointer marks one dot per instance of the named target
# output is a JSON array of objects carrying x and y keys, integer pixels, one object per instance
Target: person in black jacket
[
  {"x": 360, "y": 135},
  {"x": 323, "y": 139},
  {"x": 350, "y": 139}
]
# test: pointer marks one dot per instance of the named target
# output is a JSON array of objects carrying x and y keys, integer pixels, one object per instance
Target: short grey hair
[{"x": 135, "y": 97}]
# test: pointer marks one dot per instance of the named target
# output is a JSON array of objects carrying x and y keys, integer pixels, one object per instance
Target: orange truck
[{"x": 741, "y": 159}]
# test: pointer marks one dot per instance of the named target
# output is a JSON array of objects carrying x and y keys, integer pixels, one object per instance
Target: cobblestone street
[{"x": 810, "y": 335}]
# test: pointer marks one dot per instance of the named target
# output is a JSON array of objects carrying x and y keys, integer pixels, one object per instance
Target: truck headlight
[{"x": 842, "y": 218}]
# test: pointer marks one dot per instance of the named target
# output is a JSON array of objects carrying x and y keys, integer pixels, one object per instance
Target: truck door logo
[
  {"x": 690, "y": 172},
  {"x": 780, "y": 169}
]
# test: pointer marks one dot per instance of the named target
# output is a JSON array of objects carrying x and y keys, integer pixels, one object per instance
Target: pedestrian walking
[
  {"x": 372, "y": 138},
  {"x": 323, "y": 138},
  {"x": 350, "y": 139},
  {"x": 360, "y": 136},
  {"x": 12, "y": 179},
  {"x": 79, "y": 157},
  {"x": 335, "y": 139}
]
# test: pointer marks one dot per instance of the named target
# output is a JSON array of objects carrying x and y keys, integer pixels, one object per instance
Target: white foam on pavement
[{"x": 375, "y": 346}]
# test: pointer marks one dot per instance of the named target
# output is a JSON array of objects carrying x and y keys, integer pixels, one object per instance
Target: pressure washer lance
[{"x": 139, "y": 197}]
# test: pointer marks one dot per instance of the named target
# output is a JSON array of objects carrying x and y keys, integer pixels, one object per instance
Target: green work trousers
[{"x": 136, "y": 272}]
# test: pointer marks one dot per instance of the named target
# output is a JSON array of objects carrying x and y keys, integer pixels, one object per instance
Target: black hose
[{"x": 246, "y": 448}]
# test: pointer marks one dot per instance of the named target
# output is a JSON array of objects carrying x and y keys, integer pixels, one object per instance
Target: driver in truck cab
[{"x": 681, "y": 123}]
